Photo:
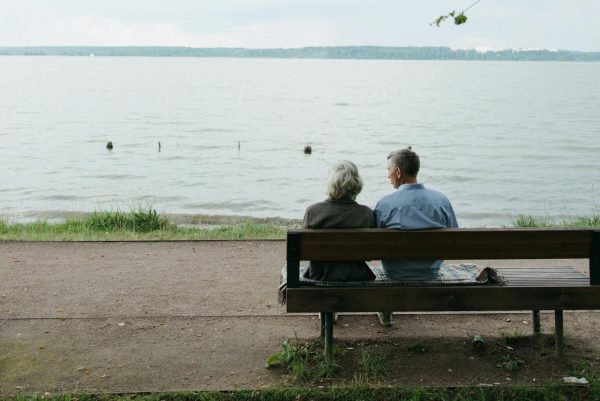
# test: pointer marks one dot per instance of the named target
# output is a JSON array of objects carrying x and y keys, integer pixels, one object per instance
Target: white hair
[{"x": 344, "y": 181}]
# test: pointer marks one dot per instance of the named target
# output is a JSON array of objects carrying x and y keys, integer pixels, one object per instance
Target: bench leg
[
  {"x": 537, "y": 327},
  {"x": 558, "y": 327},
  {"x": 328, "y": 320},
  {"x": 322, "y": 322}
]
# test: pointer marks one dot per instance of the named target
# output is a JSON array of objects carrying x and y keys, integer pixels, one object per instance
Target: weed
[
  {"x": 373, "y": 367},
  {"x": 588, "y": 221},
  {"x": 417, "y": 349},
  {"x": 299, "y": 369},
  {"x": 324, "y": 371},
  {"x": 289, "y": 354},
  {"x": 139, "y": 224},
  {"x": 137, "y": 220},
  {"x": 295, "y": 358},
  {"x": 510, "y": 363},
  {"x": 586, "y": 369},
  {"x": 303, "y": 362},
  {"x": 526, "y": 221},
  {"x": 478, "y": 342},
  {"x": 515, "y": 333}
]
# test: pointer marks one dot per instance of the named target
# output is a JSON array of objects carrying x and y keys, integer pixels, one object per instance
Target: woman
[{"x": 340, "y": 210}]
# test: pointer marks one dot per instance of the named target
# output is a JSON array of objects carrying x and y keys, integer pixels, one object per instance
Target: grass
[
  {"x": 146, "y": 224},
  {"x": 304, "y": 362},
  {"x": 588, "y": 369},
  {"x": 373, "y": 367},
  {"x": 526, "y": 221},
  {"x": 138, "y": 224},
  {"x": 541, "y": 393}
]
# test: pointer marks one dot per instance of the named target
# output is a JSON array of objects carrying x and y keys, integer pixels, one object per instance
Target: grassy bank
[
  {"x": 147, "y": 224},
  {"x": 141, "y": 224},
  {"x": 541, "y": 393}
]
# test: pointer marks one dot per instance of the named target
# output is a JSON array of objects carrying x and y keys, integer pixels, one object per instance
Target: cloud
[
  {"x": 297, "y": 23},
  {"x": 103, "y": 31},
  {"x": 288, "y": 33}
]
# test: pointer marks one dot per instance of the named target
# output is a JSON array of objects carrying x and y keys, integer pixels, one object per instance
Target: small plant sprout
[
  {"x": 510, "y": 363},
  {"x": 282, "y": 358},
  {"x": 478, "y": 342}
]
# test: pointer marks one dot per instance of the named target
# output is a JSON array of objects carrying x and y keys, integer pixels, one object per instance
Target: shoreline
[
  {"x": 203, "y": 221},
  {"x": 183, "y": 220}
]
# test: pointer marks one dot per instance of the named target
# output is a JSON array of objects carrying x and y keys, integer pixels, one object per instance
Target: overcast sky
[{"x": 553, "y": 24}]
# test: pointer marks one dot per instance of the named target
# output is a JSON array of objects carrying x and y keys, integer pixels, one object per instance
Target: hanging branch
[{"x": 459, "y": 18}]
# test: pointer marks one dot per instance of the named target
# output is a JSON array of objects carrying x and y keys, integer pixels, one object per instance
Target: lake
[{"x": 498, "y": 138}]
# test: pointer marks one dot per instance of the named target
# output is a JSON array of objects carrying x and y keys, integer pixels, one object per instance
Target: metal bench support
[
  {"x": 328, "y": 324},
  {"x": 322, "y": 322},
  {"x": 537, "y": 327},
  {"x": 558, "y": 327}
]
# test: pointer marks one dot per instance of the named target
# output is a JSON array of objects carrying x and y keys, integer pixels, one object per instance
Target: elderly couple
[{"x": 410, "y": 207}]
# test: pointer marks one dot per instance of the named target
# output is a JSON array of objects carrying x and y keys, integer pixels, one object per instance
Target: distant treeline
[{"x": 337, "y": 52}]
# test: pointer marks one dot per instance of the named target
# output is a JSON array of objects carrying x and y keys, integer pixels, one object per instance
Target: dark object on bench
[{"x": 550, "y": 288}]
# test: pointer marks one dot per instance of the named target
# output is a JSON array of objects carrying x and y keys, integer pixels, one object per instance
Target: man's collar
[{"x": 410, "y": 187}]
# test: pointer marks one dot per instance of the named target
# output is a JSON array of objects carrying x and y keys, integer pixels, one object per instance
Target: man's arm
[
  {"x": 377, "y": 214},
  {"x": 451, "y": 217}
]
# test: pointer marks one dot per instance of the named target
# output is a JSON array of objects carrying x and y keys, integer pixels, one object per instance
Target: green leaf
[
  {"x": 478, "y": 339},
  {"x": 439, "y": 20},
  {"x": 460, "y": 19},
  {"x": 273, "y": 360}
]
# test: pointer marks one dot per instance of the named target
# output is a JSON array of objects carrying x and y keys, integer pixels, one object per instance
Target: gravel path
[{"x": 163, "y": 316}]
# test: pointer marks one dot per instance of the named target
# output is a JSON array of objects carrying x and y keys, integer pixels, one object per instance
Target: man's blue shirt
[{"x": 413, "y": 207}]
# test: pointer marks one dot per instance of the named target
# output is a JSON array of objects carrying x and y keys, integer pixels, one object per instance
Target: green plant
[
  {"x": 512, "y": 334},
  {"x": 302, "y": 362},
  {"x": 373, "y": 367},
  {"x": 324, "y": 371},
  {"x": 587, "y": 221},
  {"x": 299, "y": 369},
  {"x": 137, "y": 220},
  {"x": 510, "y": 363},
  {"x": 478, "y": 342},
  {"x": 418, "y": 348},
  {"x": 586, "y": 369},
  {"x": 284, "y": 357},
  {"x": 295, "y": 358},
  {"x": 141, "y": 224},
  {"x": 458, "y": 17},
  {"x": 526, "y": 221}
]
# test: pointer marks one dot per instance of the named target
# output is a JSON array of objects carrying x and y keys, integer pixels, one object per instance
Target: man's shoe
[{"x": 385, "y": 318}]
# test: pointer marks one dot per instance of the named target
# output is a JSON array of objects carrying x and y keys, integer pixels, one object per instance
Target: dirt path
[{"x": 162, "y": 316}]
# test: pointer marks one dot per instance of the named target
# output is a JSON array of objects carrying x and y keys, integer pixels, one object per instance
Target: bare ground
[{"x": 164, "y": 316}]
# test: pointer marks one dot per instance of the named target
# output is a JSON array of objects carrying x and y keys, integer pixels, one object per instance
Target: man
[{"x": 410, "y": 207}]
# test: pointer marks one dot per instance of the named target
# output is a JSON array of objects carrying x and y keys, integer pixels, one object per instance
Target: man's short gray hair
[
  {"x": 344, "y": 180},
  {"x": 406, "y": 160}
]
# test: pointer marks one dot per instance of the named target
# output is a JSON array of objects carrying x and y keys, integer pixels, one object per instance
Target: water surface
[{"x": 499, "y": 138}]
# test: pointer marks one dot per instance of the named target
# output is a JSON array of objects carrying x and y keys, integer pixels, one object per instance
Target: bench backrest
[{"x": 387, "y": 244}]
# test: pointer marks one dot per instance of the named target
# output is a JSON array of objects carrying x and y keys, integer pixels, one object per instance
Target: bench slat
[
  {"x": 377, "y": 244},
  {"x": 415, "y": 299}
]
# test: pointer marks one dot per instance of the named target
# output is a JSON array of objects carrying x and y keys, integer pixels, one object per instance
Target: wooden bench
[{"x": 535, "y": 289}]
